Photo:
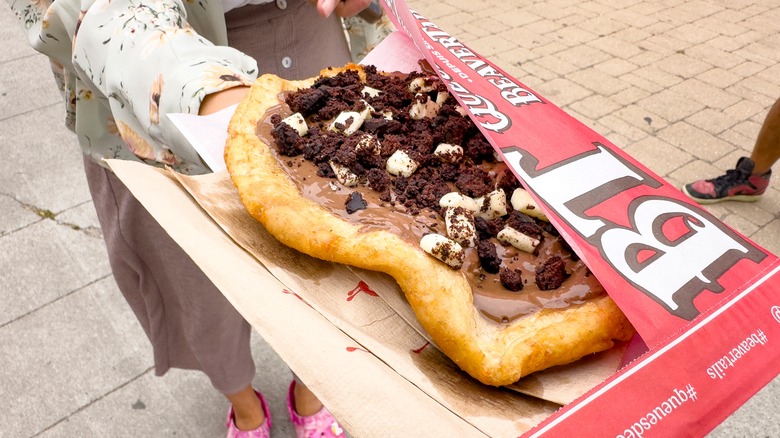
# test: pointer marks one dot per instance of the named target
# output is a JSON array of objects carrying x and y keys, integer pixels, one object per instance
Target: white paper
[
  {"x": 206, "y": 134},
  {"x": 396, "y": 52}
]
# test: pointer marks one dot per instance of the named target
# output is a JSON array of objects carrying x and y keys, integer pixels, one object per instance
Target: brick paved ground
[{"x": 683, "y": 86}]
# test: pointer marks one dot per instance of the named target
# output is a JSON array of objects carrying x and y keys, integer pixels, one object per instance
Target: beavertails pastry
[{"x": 386, "y": 172}]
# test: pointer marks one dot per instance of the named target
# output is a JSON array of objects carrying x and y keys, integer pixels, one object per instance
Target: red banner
[
  {"x": 701, "y": 295},
  {"x": 690, "y": 384}
]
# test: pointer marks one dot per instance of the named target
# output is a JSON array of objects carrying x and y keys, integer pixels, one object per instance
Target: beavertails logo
[
  {"x": 670, "y": 251},
  {"x": 485, "y": 111}
]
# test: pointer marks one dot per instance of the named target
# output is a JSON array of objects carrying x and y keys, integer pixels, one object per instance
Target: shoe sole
[{"x": 707, "y": 201}]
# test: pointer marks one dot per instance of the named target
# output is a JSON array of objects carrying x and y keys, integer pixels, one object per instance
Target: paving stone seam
[
  {"x": 31, "y": 110},
  {"x": 96, "y": 400},
  {"x": 20, "y": 58},
  {"x": 46, "y": 214},
  {"x": 55, "y": 300}
]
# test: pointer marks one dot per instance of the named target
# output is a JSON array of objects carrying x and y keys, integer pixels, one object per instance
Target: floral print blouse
[{"x": 120, "y": 64}]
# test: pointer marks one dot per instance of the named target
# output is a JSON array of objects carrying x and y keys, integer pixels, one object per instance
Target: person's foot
[
  {"x": 320, "y": 424},
  {"x": 305, "y": 402},
  {"x": 738, "y": 184},
  {"x": 261, "y": 431}
]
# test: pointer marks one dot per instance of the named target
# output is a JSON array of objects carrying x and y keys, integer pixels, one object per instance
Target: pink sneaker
[
  {"x": 320, "y": 425},
  {"x": 263, "y": 431},
  {"x": 738, "y": 184}
]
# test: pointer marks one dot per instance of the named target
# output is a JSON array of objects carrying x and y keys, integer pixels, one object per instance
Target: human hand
[
  {"x": 222, "y": 99},
  {"x": 342, "y": 8}
]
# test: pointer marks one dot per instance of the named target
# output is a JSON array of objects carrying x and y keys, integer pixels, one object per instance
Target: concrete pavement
[{"x": 683, "y": 86}]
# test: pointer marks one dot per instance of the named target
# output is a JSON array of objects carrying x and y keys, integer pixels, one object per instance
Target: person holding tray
[
  {"x": 750, "y": 178},
  {"x": 121, "y": 66}
]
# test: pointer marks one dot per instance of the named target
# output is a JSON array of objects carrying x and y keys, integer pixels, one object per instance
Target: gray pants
[{"x": 187, "y": 319}]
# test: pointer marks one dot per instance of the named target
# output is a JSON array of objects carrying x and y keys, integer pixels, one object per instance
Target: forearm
[
  {"x": 148, "y": 61},
  {"x": 223, "y": 99},
  {"x": 141, "y": 60}
]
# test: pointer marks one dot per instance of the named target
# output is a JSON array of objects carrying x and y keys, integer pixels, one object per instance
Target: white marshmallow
[
  {"x": 350, "y": 126},
  {"x": 373, "y": 92},
  {"x": 420, "y": 110},
  {"x": 523, "y": 202},
  {"x": 401, "y": 164},
  {"x": 441, "y": 97},
  {"x": 521, "y": 241},
  {"x": 455, "y": 199},
  {"x": 444, "y": 249},
  {"x": 449, "y": 153},
  {"x": 343, "y": 174},
  {"x": 492, "y": 205},
  {"x": 370, "y": 143},
  {"x": 460, "y": 226},
  {"x": 366, "y": 112},
  {"x": 297, "y": 122},
  {"x": 418, "y": 85}
]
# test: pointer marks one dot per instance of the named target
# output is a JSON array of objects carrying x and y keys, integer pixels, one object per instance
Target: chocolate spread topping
[{"x": 507, "y": 283}]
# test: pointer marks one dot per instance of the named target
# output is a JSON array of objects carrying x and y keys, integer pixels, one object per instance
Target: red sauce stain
[
  {"x": 419, "y": 350},
  {"x": 361, "y": 287},
  {"x": 289, "y": 292}
]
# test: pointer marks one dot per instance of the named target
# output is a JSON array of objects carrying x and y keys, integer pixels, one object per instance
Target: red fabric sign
[{"x": 702, "y": 296}]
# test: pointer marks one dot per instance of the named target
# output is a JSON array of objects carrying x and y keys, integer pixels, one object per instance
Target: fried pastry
[{"x": 386, "y": 172}]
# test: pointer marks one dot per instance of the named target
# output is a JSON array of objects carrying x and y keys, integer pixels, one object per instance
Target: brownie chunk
[
  {"x": 551, "y": 274},
  {"x": 308, "y": 101},
  {"x": 484, "y": 230},
  {"x": 325, "y": 171},
  {"x": 524, "y": 224},
  {"x": 474, "y": 182},
  {"x": 378, "y": 180},
  {"x": 450, "y": 126},
  {"x": 488, "y": 257},
  {"x": 478, "y": 149},
  {"x": 507, "y": 181},
  {"x": 382, "y": 127},
  {"x": 287, "y": 138},
  {"x": 512, "y": 279}
]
